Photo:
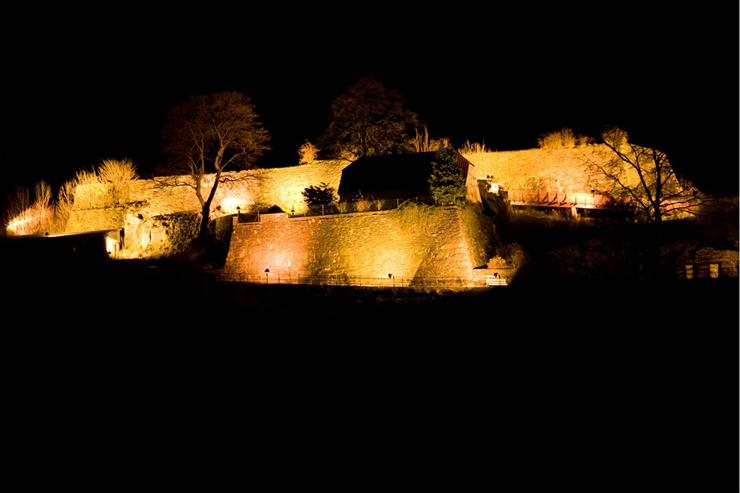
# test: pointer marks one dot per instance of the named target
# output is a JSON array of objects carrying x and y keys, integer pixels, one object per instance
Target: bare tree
[
  {"x": 367, "y": 120},
  {"x": 208, "y": 133},
  {"x": 644, "y": 177}
]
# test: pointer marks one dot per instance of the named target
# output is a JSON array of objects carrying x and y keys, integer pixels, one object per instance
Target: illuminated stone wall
[
  {"x": 270, "y": 186},
  {"x": 561, "y": 170},
  {"x": 82, "y": 220},
  {"x": 412, "y": 243},
  {"x": 149, "y": 199},
  {"x": 556, "y": 170}
]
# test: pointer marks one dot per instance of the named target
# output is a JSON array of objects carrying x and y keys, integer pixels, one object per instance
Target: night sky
[{"x": 76, "y": 92}]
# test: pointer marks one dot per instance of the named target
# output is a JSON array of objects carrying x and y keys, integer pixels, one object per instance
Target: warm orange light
[
  {"x": 17, "y": 224},
  {"x": 29, "y": 222},
  {"x": 388, "y": 248},
  {"x": 111, "y": 245},
  {"x": 229, "y": 204}
]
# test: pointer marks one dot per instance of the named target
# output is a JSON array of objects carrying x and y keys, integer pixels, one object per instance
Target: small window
[
  {"x": 714, "y": 271},
  {"x": 689, "y": 271}
]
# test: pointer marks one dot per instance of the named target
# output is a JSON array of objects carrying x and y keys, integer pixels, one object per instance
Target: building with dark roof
[{"x": 398, "y": 176}]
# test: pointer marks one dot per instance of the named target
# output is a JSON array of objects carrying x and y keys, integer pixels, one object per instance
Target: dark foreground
[{"x": 582, "y": 387}]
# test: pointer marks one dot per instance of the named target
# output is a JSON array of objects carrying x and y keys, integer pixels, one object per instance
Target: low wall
[{"x": 413, "y": 244}]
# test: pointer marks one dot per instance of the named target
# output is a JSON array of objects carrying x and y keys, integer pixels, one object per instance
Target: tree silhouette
[
  {"x": 446, "y": 182},
  {"x": 644, "y": 177},
  {"x": 317, "y": 195},
  {"x": 208, "y": 133},
  {"x": 367, "y": 120}
]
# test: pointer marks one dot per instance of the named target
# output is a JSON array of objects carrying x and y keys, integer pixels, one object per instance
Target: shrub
[
  {"x": 446, "y": 183},
  {"x": 26, "y": 218},
  {"x": 182, "y": 229},
  {"x": 18, "y": 201},
  {"x": 558, "y": 139},
  {"x": 42, "y": 192},
  {"x": 514, "y": 254},
  {"x": 85, "y": 177},
  {"x": 106, "y": 186},
  {"x": 361, "y": 204},
  {"x": 563, "y": 139},
  {"x": 115, "y": 171},
  {"x": 322, "y": 194},
  {"x": 346, "y": 155},
  {"x": 118, "y": 174},
  {"x": 64, "y": 204},
  {"x": 259, "y": 207},
  {"x": 364, "y": 204},
  {"x": 307, "y": 153}
]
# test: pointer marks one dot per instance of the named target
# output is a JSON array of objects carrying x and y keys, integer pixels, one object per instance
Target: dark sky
[{"x": 75, "y": 92}]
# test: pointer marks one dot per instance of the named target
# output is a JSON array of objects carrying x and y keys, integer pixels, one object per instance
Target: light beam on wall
[{"x": 230, "y": 203}]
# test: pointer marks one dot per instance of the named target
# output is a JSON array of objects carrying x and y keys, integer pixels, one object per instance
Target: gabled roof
[{"x": 391, "y": 176}]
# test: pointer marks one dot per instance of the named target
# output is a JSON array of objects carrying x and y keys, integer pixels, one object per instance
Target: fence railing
[
  {"x": 365, "y": 205},
  {"x": 560, "y": 199},
  {"x": 363, "y": 281},
  {"x": 247, "y": 217}
]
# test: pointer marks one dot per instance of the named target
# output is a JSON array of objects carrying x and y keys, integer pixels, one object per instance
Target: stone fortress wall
[
  {"x": 557, "y": 170},
  {"x": 411, "y": 245},
  {"x": 414, "y": 244},
  {"x": 150, "y": 206},
  {"x": 151, "y": 211}
]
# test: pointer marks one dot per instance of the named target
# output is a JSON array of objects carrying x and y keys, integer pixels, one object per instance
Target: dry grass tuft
[
  {"x": 558, "y": 139},
  {"x": 473, "y": 147},
  {"x": 118, "y": 174},
  {"x": 86, "y": 177},
  {"x": 564, "y": 138},
  {"x": 423, "y": 143},
  {"x": 64, "y": 204},
  {"x": 117, "y": 171},
  {"x": 28, "y": 218}
]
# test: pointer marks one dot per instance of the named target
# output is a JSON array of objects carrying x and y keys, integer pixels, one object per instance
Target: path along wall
[{"x": 413, "y": 243}]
